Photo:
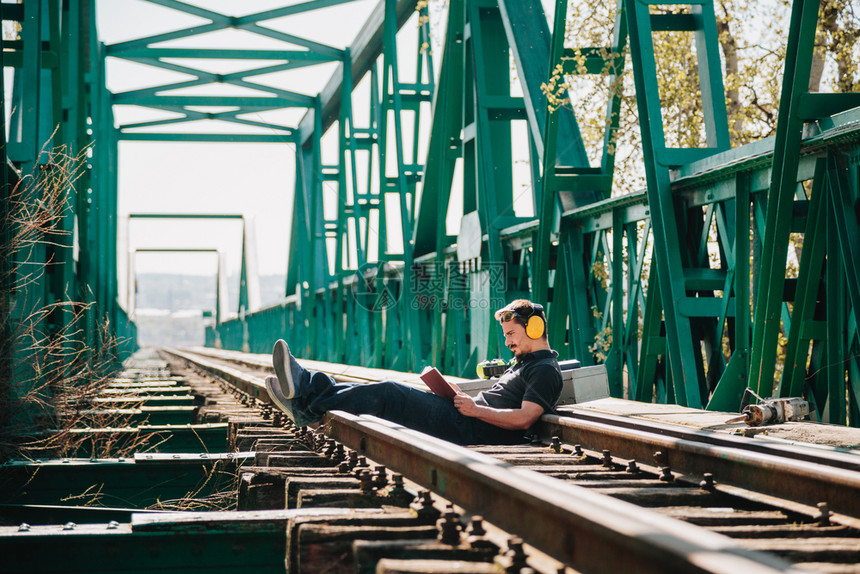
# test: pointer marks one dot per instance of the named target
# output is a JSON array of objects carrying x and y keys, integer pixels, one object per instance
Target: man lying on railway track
[{"x": 499, "y": 415}]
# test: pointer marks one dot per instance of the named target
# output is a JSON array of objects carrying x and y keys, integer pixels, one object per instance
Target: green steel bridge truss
[
  {"x": 663, "y": 285},
  {"x": 59, "y": 287}
]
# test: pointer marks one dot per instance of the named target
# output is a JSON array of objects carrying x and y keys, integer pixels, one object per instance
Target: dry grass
[
  {"x": 57, "y": 356},
  {"x": 222, "y": 484},
  {"x": 54, "y": 355}
]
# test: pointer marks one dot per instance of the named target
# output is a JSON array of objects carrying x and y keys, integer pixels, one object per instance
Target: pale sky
[
  {"x": 247, "y": 178},
  {"x": 252, "y": 179}
]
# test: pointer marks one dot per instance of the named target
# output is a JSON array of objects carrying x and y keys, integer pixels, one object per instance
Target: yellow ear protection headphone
[{"x": 535, "y": 324}]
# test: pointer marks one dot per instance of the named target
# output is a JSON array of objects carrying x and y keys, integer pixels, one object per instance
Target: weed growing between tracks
[
  {"x": 219, "y": 490},
  {"x": 55, "y": 353}
]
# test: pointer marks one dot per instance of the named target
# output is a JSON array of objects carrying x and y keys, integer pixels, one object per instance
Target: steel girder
[
  {"x": 568, "y": 183},
  {"x": 140, "y": 50},
  {"x": 797, "y": 107},
  {"x": 158, "y": 97},
  {"x": 150, "y": 51},
  {"x": 728, "y": 189},
  {"x": 344, "y": 275},
  {"x": 712, "y": 190},
  {"x": 692, "y": 344},
  {"x": 462, "y": 289},
  {"x": 431, "y": 320},
  {"x": 682, "y": 333},
  {"x": 673, "y": 264},
  {"x": 60, "y": 309}
]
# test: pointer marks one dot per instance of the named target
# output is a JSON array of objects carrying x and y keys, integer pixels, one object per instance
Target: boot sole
[{"x": 281, "y": 360}]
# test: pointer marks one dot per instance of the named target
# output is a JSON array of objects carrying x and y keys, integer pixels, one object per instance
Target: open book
[{"x": 437, "y": 383}]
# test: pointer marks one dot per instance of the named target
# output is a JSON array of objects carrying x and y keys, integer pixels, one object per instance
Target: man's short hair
[{"x": 520, "y": 310}]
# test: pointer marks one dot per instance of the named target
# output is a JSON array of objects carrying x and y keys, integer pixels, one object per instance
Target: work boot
[
  {"x": 289, "y": 406},
  {"x": 291, "y": 375}
]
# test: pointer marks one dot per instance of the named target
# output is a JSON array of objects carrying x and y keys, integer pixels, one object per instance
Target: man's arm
[{"x": 521, "y": 418}]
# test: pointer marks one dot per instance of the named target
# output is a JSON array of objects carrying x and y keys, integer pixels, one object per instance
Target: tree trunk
[{"x": 730, "y": 51}]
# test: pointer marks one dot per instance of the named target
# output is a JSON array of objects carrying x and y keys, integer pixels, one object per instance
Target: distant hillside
[
  {"x": 156, "y": 328},
  {"x": 185, "y": 292},
  {"x": 169, "y": 307}
]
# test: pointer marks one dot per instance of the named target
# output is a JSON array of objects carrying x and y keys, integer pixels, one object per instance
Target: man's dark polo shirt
[{"x": 535, "y": 377}]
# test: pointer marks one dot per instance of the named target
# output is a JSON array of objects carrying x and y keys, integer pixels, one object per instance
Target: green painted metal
[
  {"x": 487, "y": 186},
  {"x": 809, "y": 276},
  {"x": 148, "y": 50},
  {"x": 405, "y": 175},
  {"x": 141, "y": 50},
  {"x": 826, "y": 221},
  {"x": 126, "y": 482},
  {"x": 656, "y": 283},
  {"x": 570, "y": 182},
  {"x": 430, "y": 234},
  {"x": 558, "y": 169},
  {"x": 653, "y": 283},
  {"x": 781, "y": 196},
  {"x": 150, "y": 542},
  {"x": 53, "y": 297},
  {"x": 672, "y": 264},
  {"x": 345, "y": 272}
]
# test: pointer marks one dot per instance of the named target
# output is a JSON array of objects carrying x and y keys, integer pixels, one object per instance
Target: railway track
[{"x": 597, "y": 493}]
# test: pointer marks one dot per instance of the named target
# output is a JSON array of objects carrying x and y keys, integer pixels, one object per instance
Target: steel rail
[
  {"x": 798, "y": 481},
  {"x": 254, "y": 386},
  {"x": 796, "y": 451},
  {"x": 791, "y": 473},
  {"x": 345, "y": 373},
  {"x": 249, "y": 384},
  {"x": 588, "y": 531}
]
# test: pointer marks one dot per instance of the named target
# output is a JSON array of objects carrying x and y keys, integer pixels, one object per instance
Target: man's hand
[
  {"x": 466, "y": 405},
  {"x": 521, "y": 418}
]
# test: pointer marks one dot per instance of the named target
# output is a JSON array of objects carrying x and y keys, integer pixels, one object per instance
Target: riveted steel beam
[{"x": 589, "y": 532}]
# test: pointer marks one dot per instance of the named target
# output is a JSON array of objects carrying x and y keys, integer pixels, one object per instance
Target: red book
[{"x": 437, "y": 383}]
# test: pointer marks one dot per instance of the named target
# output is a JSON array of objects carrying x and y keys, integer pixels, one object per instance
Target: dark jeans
[{"x": 402, "y": 404}]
